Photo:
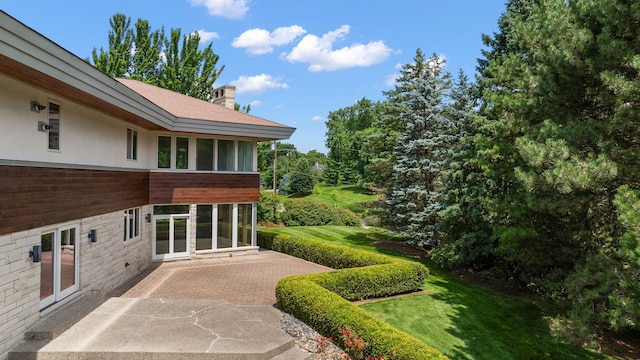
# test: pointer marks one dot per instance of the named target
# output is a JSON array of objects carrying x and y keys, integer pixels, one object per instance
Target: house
[{"x": 100, "y": 177}]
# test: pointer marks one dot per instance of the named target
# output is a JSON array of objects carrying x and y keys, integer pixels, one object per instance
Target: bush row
[
  {"x": 302, "y": 212},
  {"x": 321, "y": 300}
]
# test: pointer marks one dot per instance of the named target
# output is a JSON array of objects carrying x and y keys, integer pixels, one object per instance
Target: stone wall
[{"x": 102, "y": 267}]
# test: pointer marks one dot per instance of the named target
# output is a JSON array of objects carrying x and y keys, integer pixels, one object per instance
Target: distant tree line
[{"x": 531, "y": 174}]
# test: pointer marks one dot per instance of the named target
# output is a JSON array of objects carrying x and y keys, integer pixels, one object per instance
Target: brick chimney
[{"x": 225, "y": 96}]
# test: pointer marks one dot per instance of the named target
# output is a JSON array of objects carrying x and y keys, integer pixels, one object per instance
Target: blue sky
[{"x": 294, "y": 61}]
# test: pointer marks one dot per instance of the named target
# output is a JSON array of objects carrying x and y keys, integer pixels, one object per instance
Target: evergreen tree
[
  {"x": 466, "y": 234},
  {"x": 422, "y": 152},
  {"x": 390, "y": 125},
  {"x": 561, "y": 89},
  {"x": 302, "y": 178},
  {"x": 283, "y": 186}
]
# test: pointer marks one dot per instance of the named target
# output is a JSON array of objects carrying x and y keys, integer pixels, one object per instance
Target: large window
[
  {"x": 54, "y": 126},
  {"x": 204, "y": 154},
  {"x": 131, "y": 224},
  {"x": 210, "y": 154},
  {"x": 132, "y": 144},
  {"x": 245, "y": 156},
  {"x": 164, "y": 152},
  {"x": 226, "y": 155},
  {"x": 225, "y": 226}
]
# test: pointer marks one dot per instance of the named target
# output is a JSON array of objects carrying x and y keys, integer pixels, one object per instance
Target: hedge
[
  {"x": 321, "y": 300},
  {"x": 303, "y": 212}
]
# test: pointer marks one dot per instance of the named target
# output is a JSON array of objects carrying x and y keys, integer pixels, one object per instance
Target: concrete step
[
  {"x": 54, "y": 324},
  {"x": 294, "y": 353}
]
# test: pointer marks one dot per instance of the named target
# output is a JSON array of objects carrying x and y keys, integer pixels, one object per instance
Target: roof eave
[
  {"x": 26, "y": 46},
  {"x": 261, "y": 132}
]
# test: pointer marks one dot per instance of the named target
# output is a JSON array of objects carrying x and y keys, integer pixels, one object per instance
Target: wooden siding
[
  {"x": 31, "y": 197},
  {"x": 203, "y": 188}
]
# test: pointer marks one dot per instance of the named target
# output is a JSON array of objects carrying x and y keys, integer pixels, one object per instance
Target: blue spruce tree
[{"x": 416, "y": 194}]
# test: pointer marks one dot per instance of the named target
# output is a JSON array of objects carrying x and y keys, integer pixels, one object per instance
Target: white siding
[{"x": 87, "y": 137}]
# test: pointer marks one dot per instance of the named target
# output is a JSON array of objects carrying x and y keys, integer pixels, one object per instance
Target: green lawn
[
  {"x": 459, "y": 319},
  {"x": 350, "y": 197}
]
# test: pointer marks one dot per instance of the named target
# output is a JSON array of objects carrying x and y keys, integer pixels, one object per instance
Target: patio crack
[{"x": 216, "y": 335}]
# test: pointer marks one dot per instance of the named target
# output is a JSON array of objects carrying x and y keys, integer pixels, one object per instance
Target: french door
[
  {"x": 59, "y": 264},
  {"x": 170, "y": 236}
]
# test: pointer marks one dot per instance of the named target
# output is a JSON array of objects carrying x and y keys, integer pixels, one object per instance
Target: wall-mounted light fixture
[
  {"x": 36, "y": 107},
  {"x": 148, "y": 217},
  {"x": 93, "y": 235},
  {"x": 43, "y": 126},
  {"x": 36, "y": 253}
]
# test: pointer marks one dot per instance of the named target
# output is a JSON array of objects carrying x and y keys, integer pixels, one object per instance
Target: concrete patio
[{"x": 220, "y": 308}]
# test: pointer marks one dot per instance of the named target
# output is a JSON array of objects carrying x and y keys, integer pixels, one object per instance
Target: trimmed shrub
[
  {"x": 303, "y": 212},
  {"x": 321, "y": 300},
  {"x": 328, "y": 313}
]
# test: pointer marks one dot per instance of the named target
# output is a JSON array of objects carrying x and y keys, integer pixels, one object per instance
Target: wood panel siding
[
  {"x": 203, "y": 188},
  {"x": 32, "y": 197}
]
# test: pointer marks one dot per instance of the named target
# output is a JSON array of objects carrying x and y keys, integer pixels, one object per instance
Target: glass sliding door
[{"x": 59, "y": 264}]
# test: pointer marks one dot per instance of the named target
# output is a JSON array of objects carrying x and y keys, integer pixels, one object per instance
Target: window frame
[
  {"x": 132, "y": 144},
  {"x": 54, "y": 129},
  {"x": 234, "y": 227},
  {"x": 136, "y": 215}
]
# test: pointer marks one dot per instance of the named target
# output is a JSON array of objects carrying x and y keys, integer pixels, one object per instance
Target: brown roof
[{"x": 183, "y": 106}]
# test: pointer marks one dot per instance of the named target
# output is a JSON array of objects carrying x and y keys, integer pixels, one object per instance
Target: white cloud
[
  {"x": 390, "y": 80},
  {"x": 319, "y": 54},
  {"x": 259, "y": 41},
  {"x": 207, "y": 36},
  {"x": 318, "y": 118},
  {"x": 257, "y": 84},
  {"x": 232, "y": 9},
  {"x": 255, "y": 103}
]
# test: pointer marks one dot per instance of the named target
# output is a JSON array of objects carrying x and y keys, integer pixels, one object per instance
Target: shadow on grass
[
  {"x": 460, "y": 319},
  {"x": 464, "y": 321}
]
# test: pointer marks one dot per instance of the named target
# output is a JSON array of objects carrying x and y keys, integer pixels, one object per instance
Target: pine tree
[
  {"x": 422, "y": 152},
  {"x": 561, "y": 92},
  {"x": 466, "y": 234}
]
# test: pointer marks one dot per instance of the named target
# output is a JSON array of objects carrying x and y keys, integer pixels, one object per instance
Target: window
[
  {"x": 131, "y": 224},
  {"x": 226, "y": 155},
  {"x": 204, "y": 227},
  {"x": 132, "y": 144},
  {"x": 54, "y": 126},
  {"x": 245, "y": 156},
  {"x": 164, "y": 152},
  {"x": 245, "y": 224},
  {"x": 182, "y": 153},
  {"x": 204, "y": 154},
  {"x": 225, "y": 226}
]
